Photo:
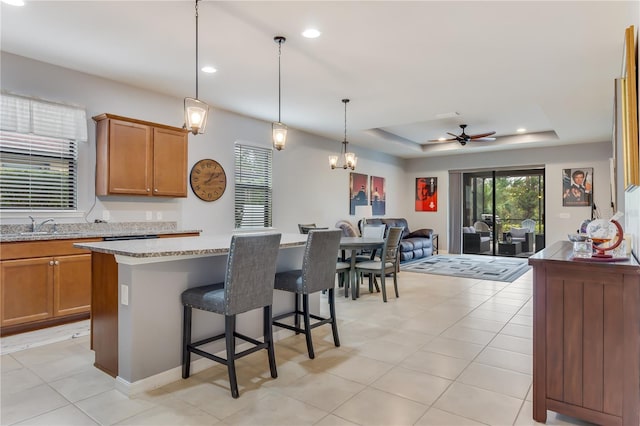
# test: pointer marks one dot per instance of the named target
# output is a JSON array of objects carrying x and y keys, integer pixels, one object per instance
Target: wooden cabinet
[
  {"x": 586, "y": 337},
  {"x": 135, "y": 157},
  {"x": 43, "y": 283}
]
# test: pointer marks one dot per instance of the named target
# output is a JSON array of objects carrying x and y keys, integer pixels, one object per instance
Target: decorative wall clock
[{"x": 208, "y": 180}]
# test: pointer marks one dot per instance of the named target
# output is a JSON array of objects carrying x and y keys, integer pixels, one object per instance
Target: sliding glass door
[{"x": 503, "y": 212}]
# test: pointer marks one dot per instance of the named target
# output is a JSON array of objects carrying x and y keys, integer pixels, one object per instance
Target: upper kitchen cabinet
[{"x": 135, "y": 157}]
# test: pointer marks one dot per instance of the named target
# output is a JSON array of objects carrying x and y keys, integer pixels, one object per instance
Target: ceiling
[{"x": 413, "y": 70}]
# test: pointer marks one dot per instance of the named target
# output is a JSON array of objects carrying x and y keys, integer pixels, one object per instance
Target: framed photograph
[
  {"x": 426, "y": 194},
  {"x": 357, "y": 191},
  {"x": 577, "y": 187},
  {"x": 377, "y": 196}
]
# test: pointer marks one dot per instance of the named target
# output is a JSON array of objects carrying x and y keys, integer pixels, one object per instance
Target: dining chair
[
  {"x": 387, "y": 264},
  {"x": 370, "y": 231},
  {"x": 304, "y": 228},
  {"x": 318, "y": 273},
  {"x": 248, "y": 285}
]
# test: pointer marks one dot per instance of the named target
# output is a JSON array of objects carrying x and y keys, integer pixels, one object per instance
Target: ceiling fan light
[
  {"x": 521, "y": 130},
  {"x": 279, "y": 135},
  {"x": 196, "y": 113}
]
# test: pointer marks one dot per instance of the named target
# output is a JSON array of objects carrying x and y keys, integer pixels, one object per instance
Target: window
[
  {"x": 253, "y": 186},
  {"x": 39, "y": 154}
]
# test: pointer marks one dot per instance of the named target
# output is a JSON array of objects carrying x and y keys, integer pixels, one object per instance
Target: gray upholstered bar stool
[
  {"x": 318, "y": 273},
  {"x": 248, "y": 285}
]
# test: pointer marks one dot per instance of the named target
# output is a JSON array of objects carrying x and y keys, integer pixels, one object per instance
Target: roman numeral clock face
[{"x": 208, "y": 180}]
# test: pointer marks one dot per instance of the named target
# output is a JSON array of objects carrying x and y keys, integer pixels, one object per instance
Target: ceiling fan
[{"x": 463, "y": 138}]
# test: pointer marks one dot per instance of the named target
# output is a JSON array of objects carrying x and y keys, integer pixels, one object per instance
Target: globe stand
[{"x": 601, "y": 252}]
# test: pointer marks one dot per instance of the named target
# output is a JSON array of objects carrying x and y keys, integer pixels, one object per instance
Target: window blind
[
  {"x": 39, "y": 154},
  {"x": 253, "y": 186}
]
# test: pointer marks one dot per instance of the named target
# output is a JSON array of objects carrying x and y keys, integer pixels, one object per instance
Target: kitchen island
[{"x": 136, "y": 317}]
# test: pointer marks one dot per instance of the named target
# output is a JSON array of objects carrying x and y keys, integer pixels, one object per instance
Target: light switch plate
[{"x": 124, "y": 294}]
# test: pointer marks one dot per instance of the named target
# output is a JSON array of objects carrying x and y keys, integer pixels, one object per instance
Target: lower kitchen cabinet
[{"x": 40, "y": 288}]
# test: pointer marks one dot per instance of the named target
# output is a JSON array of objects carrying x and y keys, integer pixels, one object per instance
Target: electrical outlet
[
  {"x": 158, "y": 215},
  {"x": 149, "y": 215},
  {"x": 124, "y": 294}
]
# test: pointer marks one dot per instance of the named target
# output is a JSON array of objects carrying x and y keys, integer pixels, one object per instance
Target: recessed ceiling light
[
  {"x": 521, "y": 130},
  {"x": 311, "y": 33},
  {"x": 14, "y": 2},
  {"x": 209, "y": 69}
]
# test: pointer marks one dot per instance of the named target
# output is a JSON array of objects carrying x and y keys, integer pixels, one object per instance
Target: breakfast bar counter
[{"x": 136, "y": 314}]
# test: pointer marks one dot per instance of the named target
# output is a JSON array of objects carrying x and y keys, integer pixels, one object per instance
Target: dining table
[{"x": 354, "y": 244}]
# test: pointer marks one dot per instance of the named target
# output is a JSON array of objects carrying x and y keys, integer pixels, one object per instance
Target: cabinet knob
[
  {"x": 56, "y": 262},
  {"x": 155, "y": 190},
  {"x": 148, "y": 189},
  {"x": 51, "y": 263}
]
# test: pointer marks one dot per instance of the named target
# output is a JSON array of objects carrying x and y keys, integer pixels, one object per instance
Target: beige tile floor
[{"x": 449, "y": 351}]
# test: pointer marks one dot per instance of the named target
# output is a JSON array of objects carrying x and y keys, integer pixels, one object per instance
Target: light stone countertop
[
  {"x": 171, "y": 248},
  {"x": 67, "y": 231}
]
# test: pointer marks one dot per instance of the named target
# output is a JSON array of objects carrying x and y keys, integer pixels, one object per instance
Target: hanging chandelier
[
  {"x": 195, "y": 111},
  {"x": 278, "y": 129},
  {"x": 349, "y": 159}
]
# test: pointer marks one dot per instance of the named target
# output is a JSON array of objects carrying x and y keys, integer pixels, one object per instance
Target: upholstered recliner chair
[{"x": 475, "y": 241}]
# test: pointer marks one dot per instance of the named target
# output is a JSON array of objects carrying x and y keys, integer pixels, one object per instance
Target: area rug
[{"x": 469, "y": 266}]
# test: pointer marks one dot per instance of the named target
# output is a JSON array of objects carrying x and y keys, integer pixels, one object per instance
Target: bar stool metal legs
[
  {"x": 248, "y": 285},
  {"x": 318, "y": 273}
]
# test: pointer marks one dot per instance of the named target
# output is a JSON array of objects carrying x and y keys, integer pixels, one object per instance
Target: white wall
[
  {"x": 560, "y": 220},
  {"x": 305, "y": 188}
]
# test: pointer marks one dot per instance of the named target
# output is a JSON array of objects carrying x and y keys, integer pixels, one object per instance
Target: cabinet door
[
  {"x": 130, "y": 158},
  {"x": 72, "y": 284},
  {"x": 169, "y": 163},
  {"x": 26, "y": 290}
]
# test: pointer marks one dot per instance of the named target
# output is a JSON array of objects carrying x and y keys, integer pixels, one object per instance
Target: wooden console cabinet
[
  {"x": 43, "y": 283},
  {"x": 586, "y": 337},
  {"x": 135, "y": 157}
]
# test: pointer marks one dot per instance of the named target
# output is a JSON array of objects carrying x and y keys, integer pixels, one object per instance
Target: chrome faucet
[{"x": 36, "y": 227}]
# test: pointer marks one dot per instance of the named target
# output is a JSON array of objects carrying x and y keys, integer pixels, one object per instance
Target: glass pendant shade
[
  {"x": 349, "y": 158},
  {"x": 333, "y": 161},
  {"x": 195, "y": 115},
  {"x": 279, "y": 134},
  {"x": 196, "y": 112},
  {"x": 278, "y": 129}
]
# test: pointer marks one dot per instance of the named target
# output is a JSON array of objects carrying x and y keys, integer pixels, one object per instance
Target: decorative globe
[{"x": 601, "y": 231}]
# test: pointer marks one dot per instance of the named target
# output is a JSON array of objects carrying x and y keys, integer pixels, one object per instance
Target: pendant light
[
  {"x": 278, "y": 129},
  {"x": 195, "y": 111},
  {"x": 349, "y": 158}
]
